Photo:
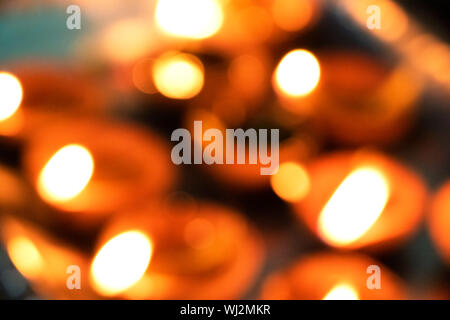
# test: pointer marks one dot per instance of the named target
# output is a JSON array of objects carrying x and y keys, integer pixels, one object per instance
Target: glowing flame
[
  {"x": 178, "y": 76},
  {"x": 121, "y": 262},
  {"x": 195, "y": 19},
  {"x": 354, "y": 207},
  {"x": 66, "y": 174},
  {"x": 291, "y": 182},
  {"x": 342, "y": 292},
  {"x": 298, "y": 73},
  {"x": 11, "y": 94},
  {"x": 25, "y": 256}
]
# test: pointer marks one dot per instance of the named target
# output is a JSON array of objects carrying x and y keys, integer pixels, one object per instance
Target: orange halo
[
  {"x": 333, "y": 276},
  {"x": 358, "y": 199}
]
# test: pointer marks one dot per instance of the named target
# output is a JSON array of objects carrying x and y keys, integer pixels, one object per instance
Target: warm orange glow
[
  {"x": 439, "y": 221},
  {"x": 195, "y": 19},
  {"x": 142, "y": 76},
  {"x": 291, "y": 182},
  {"x": 178, "y": 75},
  {"x": 394, "y": 21},
  {"x": 121, "y": 262},
  {"x": 342, "y": 291},
  {"x": 298, "y": 73},
  {"x": 127, "y": 40},
  {"x": 66, "y": 174},
  {"x": 292, "y": 15},
  {"x": 354, "y": 207},
  {"x": 25, "y": 256},
  {"x": 11, "y": 94},
  {"x": 199, "y": 233}
]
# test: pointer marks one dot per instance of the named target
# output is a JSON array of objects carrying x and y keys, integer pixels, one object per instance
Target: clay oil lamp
[
  {"x": 174, "y": 251},
  {"x": 89, "y": 169},
  {"x": 333, "y": 276},
  {"x": 46, "y": 262},
  {"x": 37, "y": 94},
  {"x": 361, "y": 199},
  {"x": 362, "y": 100}
]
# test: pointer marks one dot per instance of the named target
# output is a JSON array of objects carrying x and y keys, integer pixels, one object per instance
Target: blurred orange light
[
  {"x": 11, "y": 94},
  {"x": 25, "y": 256},
  {"x": 199, "y": 233},
  {"x": 342, "y": 291},
  {"x": 126, "y": 40},
  {"x": 292, "y": 15},
  {"x": 195, "y": 19},
  {"x": 291, "y": 182},
  {"x": 178, "y": 75},
  {"x": 66, "y": 174},
  {"x": 298, "y": 73},
  {"x": 354, "y": 207},
  {"x": 121, "y": 262}
]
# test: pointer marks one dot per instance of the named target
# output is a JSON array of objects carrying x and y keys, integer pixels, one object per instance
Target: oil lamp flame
[
  {"x": 66, "y": 174},
  {"x": 121, "y": 262},
  {"x": 178, "y": 76},
  {"x": 194, "y": 19},
  {"x": 25, "y": 256},
  {"x": 298, "y": 73},
  {"x": 342, "y": 291},
  {"x": 11, "y": 94},
  {"x": 354, "y": 207}
]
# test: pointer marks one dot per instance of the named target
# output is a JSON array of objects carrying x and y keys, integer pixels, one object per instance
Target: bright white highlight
[{"x": 354, "y": 207}]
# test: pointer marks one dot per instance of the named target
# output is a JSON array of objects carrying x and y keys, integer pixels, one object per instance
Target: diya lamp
[
  {"x": 333, "y": 276},
  {"x": 361, "y": 199},
  {"x": 89, "y": 169},
  {"x": 44, "y": 261},
  {"x": 362, "y": 100},
  {"x": 355, "y": 98},
  {"x": 36, "y": 94},
  {"x": 177, "y": 251},
  {"x": 439, "y": 221}
]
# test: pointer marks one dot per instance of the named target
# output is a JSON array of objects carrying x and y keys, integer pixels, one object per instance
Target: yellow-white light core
[
  {"x": 342, "y": 292},
  {"x": 66, "y": 174},
  {"x": 194, "y": 19},
  {"x": 178, "y": 76},
  {"x": 298, "y": 73},
  {"x": 11, "y": 94},
  {"x": 354, "y": 207},
  {"x": 25, "y": 256},
  {"x": 121, "y": 262}
]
